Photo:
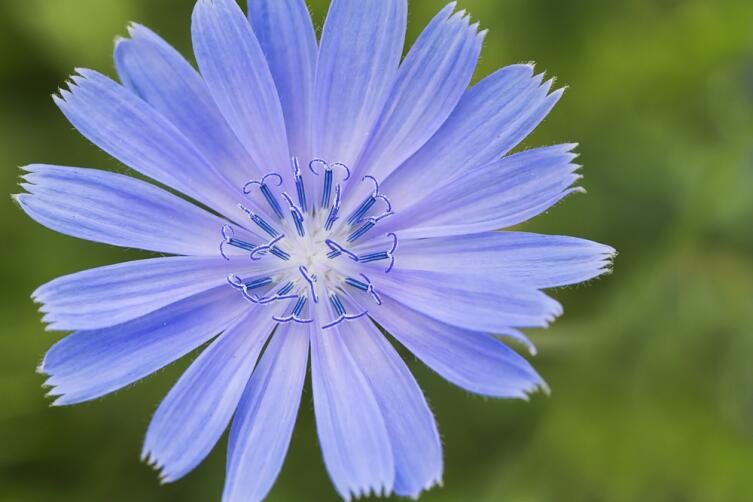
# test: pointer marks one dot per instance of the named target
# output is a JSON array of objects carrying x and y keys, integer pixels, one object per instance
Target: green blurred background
[{"x": 651, "y": 367}]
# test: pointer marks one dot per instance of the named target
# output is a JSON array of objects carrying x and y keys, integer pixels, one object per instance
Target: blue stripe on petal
[
  {"x": 163, "y": 78},
  {"x": 236, "y": 72},
  {"x": 360, "y": 51},
  {"x": 499, "y": 195},
  {"x": 481, "y": 302},
  {"x": 132, "y": 131},
  {"x": 90, "y": 364},
  {"x": 287, "y": 36},
  {"x": 490, "y": 120},
  {"x": 198, "y": 409},
  {"x": 430, "y": 82},
  {"x": 354, "y": 439},
  {"x": 114, "y": 294},
  {"x": 541, "y": 261},
  {"x": 474, "y": 361},
  {"x": 265, "y": 419},
  {"x": 410, "y": 424},
  {"x": 117, "y": 210}
]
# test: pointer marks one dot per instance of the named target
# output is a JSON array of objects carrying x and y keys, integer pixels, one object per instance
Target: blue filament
[
  {"x": 362, "y": 209},
  {"x": 300, "y": 188},
  {"x": 362, "y": 230},
  {"x": 258, "y": 283},
  {"x": 332, "y": 217},
  {"x": 246, "y": 246},
  {"x": 327, "y": 192},
  {"x": 310, "y": 279},
  {"x": 228, "y": 239},
  {"x": 266, "y": 192},
  {"x": 295, "y": 313},
  {"x": 272, "y": 201},
  {"x": 298, "y": 308},
  {"x": 296, "y": 214},
  {"x": 261, "y": 222},
  {"x": 286, "y": 289},
  {"x": 357, "y": 284},
  {"x": 338, "y": 250},
  {"x": 382, "y": 255},
  {"x": 280, "y": 253}
]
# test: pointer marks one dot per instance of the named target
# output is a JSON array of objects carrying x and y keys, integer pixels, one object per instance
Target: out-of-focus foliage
[{"x": 650, "y": 367}]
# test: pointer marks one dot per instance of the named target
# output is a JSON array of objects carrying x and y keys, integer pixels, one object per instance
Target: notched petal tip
[
  {"x": 154, "y": 463},
  {"x": 435, "y": 482},
  {"x": 578, "y": 190},
  {"x": 60, "y": 98},
  {"x": 556, "y": 94},
  {"x": 136, "y": 30},
  {"x": 542, "y": 387}
]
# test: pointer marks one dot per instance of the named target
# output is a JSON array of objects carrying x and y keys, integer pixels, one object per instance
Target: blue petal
[
  {"x": 474, "y": 361},
  {"x": 490, "y": 120},
  {"x": 483, "y": 302},
  {"x": 156, "y": 72},
  {"x": 502, "y": 194},
  {"x": 131, "y": 130},
  {"x": 112, "y": 295},
  {"x": 236, "y": 71},
  {"x": 90, "y": 364},
  {"x": 265, "y": 419},
  {"x": 287, "y": 36},
  {"x": 352, "y": 432},
  {"x": 360, "y": 51},
  {"x": 197, "y": 410},
  {"x": 540, "y": 261},
  {"x": 430, "y": 82},
  {"x": 410, "y": 424},
  {"x": 118, "y": 210}
]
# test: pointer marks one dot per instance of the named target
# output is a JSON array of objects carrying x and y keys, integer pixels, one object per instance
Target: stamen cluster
[{"x": 319, "y": 254}]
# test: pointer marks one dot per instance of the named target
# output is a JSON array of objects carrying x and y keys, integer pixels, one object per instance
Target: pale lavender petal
[
  {"x": 236, "y": 72},
  {"x": 430, "y": 82},
  {"x": 499, "y": 195},
  {"x": 474, "y": 361},
  {"x": 360, "y": 51},
  {"x": 131, "y": 130},
  {"x": 490, "y": 120},
  {"x": 286, "y": 34},
  {"x": 118, "y": 210},
  {"x": 352, "y": 433},
  {"x": 90, "y": 364},
  {"x": 198, "y": 409},
  {"x": 540, "y": 261},
  {"x": 265, "y": 419},
  {"x": 114, "y": 294},
  {"x": 479, "y": 302},
  {"x": 154, "y": 70},
  {"x": 410, "y": 424}
]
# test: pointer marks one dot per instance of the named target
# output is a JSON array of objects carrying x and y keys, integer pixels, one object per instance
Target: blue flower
[{"x": 330, "y": 192}]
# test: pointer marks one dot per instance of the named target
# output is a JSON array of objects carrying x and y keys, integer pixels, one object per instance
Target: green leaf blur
[{"x": 650, "y": 367}]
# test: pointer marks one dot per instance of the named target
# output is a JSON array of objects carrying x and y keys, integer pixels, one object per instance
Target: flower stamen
[
  {"x": 310, "y": 272},
  {"x": 337, "y": 304},
  {"x": 266, "y": 192},
  {"x": 261, "y": 222},
  {"x": 295, "y": 313},
  {"x": 228, "y": 239}
]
